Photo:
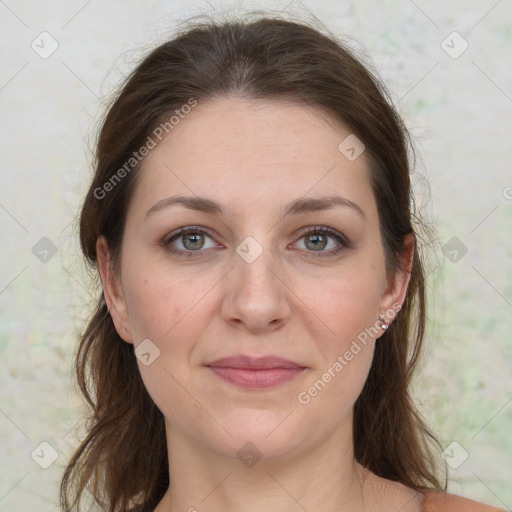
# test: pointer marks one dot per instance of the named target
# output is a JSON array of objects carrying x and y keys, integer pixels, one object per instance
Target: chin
[{"x": 268, "y": 434}]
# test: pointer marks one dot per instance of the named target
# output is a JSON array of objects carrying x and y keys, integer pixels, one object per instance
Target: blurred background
[{"x": 448, "y": 67}]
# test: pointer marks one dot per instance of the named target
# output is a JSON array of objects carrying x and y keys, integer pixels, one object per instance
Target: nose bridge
[
  {"x": 256, "y": 295},
  {"x": 255, "y": 263}
]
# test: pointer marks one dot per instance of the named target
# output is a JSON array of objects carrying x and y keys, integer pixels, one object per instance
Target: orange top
[{"x": 436, "y": 501}]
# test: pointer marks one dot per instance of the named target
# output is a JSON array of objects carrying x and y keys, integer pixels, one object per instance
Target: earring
[{"x": 383, "y": 325}]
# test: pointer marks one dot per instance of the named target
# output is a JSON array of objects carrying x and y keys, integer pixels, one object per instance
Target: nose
[{"x": 257, "y": 296}]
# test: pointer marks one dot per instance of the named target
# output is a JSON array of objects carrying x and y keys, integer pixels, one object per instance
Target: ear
[
  {"x": 396, "y": 290},
  {"x": 113, "y": 291}
]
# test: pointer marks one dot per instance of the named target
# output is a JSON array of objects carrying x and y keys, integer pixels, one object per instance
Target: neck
[{"x": 325, "y": 478}]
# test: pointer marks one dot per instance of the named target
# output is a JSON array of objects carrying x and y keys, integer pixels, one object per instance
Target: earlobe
[{"x": 112, "y": 290}]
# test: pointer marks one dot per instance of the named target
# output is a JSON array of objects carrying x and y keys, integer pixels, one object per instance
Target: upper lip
[{"x": 254, "y": 363}]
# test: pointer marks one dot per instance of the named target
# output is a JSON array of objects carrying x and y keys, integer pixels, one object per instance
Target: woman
[{"x": 263, "y": 304}]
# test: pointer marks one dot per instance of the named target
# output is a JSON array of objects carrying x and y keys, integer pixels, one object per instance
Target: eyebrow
[{"x": 302, "y": 205}]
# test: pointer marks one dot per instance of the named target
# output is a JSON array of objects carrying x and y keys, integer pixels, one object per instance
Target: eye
[
  {"x": 317, "y": 239},
  {"x": 189, "y": 241}
]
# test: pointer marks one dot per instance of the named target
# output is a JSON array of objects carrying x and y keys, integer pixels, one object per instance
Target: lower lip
[{"x": 256, "y": 379}]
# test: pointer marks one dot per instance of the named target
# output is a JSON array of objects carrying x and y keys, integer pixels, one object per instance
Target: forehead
[{"x": 263, "y": 150}]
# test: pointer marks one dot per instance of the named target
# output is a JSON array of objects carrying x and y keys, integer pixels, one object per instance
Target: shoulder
[{"x": 437, "y": 501}]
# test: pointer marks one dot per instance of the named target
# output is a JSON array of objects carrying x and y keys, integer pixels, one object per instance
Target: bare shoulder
[
  {"x": 436, "y": 501},
  {"x": 382, "y": 495}
]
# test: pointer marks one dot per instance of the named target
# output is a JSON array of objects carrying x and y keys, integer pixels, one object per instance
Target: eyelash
[{"x": 314, "y": 230}]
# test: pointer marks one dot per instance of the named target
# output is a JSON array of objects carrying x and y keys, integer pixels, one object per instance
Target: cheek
[
  {"x": 347, "y": 305},
  {"x": 170, "y": 313},
  {"x": 346, "y": 301},
  {"x": 335, "y": 384},
  {"x": 161, "y": 302}
]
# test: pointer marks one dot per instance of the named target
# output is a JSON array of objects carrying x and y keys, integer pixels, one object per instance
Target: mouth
[{"x": 255, "y": 373}]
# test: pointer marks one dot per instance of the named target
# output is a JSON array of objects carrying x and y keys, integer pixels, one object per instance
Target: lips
[
  {"x": 254, "y": 363},
  {"x": 255, "y": 373}
]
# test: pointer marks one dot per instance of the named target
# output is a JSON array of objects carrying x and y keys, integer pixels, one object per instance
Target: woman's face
[{"x": 246, "y": 279}]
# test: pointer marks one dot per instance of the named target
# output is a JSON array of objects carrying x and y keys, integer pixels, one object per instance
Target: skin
[{"x": 292, "y": 301}]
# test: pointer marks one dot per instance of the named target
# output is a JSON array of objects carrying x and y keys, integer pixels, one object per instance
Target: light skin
[{"x": 297, "y": 299}]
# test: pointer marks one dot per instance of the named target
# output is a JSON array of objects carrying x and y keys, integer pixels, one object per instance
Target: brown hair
[{"x": 123, "y": 459}]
